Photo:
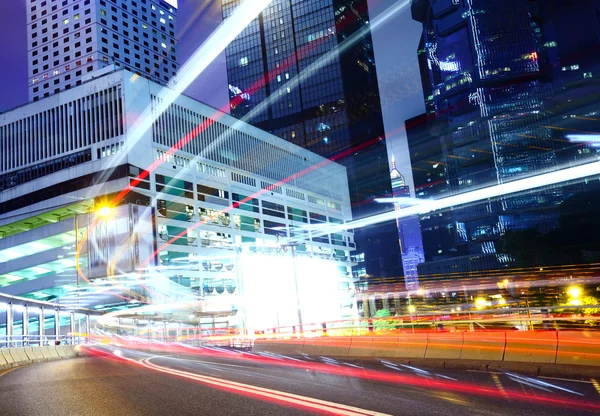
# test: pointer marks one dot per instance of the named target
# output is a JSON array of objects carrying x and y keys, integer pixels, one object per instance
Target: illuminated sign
[{"x": 235, "y": 90}]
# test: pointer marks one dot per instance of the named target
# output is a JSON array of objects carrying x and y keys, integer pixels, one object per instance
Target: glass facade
[
  {"x": 304, "y": 70},
  {"x": 500, "y": 83}
]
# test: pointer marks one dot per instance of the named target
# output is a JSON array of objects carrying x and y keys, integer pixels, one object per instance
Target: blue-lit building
[
  {"x": 409, "y": 231},
  {"x": 305, "y": 71},
  {"x": 507, "y": 85}
]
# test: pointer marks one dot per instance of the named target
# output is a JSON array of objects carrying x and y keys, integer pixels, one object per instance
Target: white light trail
[
  {"x": 216, "y": 43},
  {"x": 521, "y": 185}
]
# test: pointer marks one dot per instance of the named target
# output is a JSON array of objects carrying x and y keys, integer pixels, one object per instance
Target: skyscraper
[
  {"x": 502, "y": 92},
  {"x": 69, "y": 38},
  {"x": 304, "y": 70}
]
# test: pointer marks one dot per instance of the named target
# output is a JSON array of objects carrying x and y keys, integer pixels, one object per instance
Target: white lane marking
[
  {"x": 443, "y": 376},
  {"x": 354, "y": 365},
  {"x": 543, "y": 383},
  {"x": 566, "y": 379},
  {"x": 418, "y": 370},
  {"x": 527, "y": 383},
  {"x": 331, "y": 407},
  {"x": 200, "y": 361}
]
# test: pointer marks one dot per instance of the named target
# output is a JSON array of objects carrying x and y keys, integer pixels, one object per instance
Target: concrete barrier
[
  {"x": 60, "y": 349},
  {"x": 12, "y": 357},
  {"x": 491, "y": 348},
  {"x": 19, "y": 355},
  {"x": 531, "y": 347},
  {"x": 284, "y": 347},
  {"x": 411, "y": 346},
  {"x": 330, "y": 346},
  {"x": 483, "y": 346},
  {"x": 37, "y": 353},
  {"x": 7, "y": 357},
  {"x": 69, "y": 351},
  {"x": 578, "y": 348},
  {"x": 378, "y": 346},
  {"x": 446, "y": 345},
  {"x": 53, "y": 352},
  {"x": 46, "y": 352},
  {"x": 336, "y": 346}
]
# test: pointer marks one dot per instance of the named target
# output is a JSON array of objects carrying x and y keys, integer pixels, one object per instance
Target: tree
[{"x": 576, "y": 240}]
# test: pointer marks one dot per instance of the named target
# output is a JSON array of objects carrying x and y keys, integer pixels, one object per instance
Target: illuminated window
[
  {"x": 278, "y": 78},
  {"x": 66, "y": 21},
  {"x": 102, "y": 12},
  {"x": 164, "y": 45},
  {"x": 244, "y": 61},
  {"x": 163, "y": 21},
  {"x": 287, "y": 75},
  {"x": 76, "y": 17}
]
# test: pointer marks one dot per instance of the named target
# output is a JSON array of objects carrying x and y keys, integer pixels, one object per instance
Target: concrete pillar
[
  {"x": 372, "y": 307},
  {"x": 385, "y": 302},
  {"x": 9, "y": 323},
  {"x": 88, "y": 330},
  {"x": 72, "y": 327},
  {"x": 26, "y": 323},
  {"x": 366, "y": 309},
  {"x": 56, "y": 325},
  {"x": 42, "y": 330}
]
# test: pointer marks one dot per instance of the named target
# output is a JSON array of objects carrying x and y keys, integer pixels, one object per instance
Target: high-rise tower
[
  {"x": 507, "y": 87},
  {"x": 305, "y": 71},
  {"x": 69, "y": 38}
]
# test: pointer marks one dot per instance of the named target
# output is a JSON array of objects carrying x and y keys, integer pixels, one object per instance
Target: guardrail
[
  {"x": 14, "y": 357},
  {"x": 550, "y": 347},
  {"x": 39, "y": 340}
]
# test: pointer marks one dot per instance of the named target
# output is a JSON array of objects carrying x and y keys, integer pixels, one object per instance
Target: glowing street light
[
  {"x": 574, "y": 292},
  {"x": 411, "y": 308},
  {"x": 104, "y": 211},
  {"x": 480, "y": 303}
]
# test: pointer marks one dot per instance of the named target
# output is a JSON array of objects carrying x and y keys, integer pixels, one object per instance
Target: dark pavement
[{"x": 121, "y": 382}]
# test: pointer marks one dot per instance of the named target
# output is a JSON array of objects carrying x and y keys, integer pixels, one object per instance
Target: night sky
[{"x": 395, "y": 43}]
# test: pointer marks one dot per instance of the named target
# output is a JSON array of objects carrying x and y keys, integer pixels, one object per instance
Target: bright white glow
[
  {"x": 534, "y": 182},
  {"x": 592, "y": 139},
  {"x": 172, "y": 2},
  {"x": 270, "y": 291},
  {"x": 104, "y": 212},
  {"x": 216, "y": 43}
]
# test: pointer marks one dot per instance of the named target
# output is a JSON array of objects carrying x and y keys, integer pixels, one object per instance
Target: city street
[{"x": 111, "y": 384}]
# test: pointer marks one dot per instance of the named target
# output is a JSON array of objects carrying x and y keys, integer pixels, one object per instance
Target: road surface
[{"x": 113, "y": 381}]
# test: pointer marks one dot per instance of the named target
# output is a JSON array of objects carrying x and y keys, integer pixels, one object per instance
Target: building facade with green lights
[{"x": 222, "y": 224}]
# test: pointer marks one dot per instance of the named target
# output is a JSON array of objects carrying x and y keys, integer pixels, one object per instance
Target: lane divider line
[{"x": 316, "y": 404}]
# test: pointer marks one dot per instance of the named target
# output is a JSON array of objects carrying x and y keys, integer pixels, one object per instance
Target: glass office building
[
  {"x": 305, "y": 71},
  {"x": 504, "y": 98}
]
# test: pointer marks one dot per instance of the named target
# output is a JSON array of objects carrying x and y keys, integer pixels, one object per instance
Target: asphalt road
[{"x": 216, "y": 382}]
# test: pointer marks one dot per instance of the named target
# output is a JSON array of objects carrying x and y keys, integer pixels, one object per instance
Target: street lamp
[
  {"x": 284, "y": 247},
  {"x": 574, "y": 292}
]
